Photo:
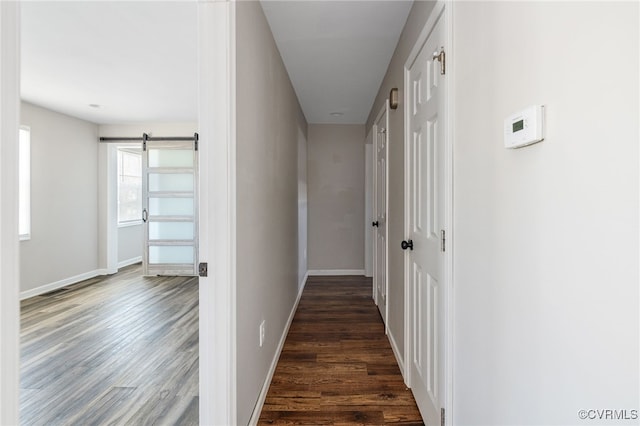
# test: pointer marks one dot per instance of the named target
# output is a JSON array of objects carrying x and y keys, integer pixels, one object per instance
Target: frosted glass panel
[
  {"x": 170, "y": 254},
  {"x": 170, "y": 158},
  {"x": 171, "y": 206},
  {"x": 171, "y": 182},
  {"x": 170, "y": 230}
]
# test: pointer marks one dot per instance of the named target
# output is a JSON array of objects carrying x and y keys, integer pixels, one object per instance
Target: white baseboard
[
  {"x": 396, "y": 352},
  {"x": 59, "y": 284},
  {"x": 328, "y": 272},
  {"x": 265, "y": 387},
  {"x": 128, "y": 262}
]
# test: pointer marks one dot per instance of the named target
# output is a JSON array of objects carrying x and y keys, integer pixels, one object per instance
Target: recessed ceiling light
[
  {"x": 94, "y": 105},
  {"x": 336, "y": 114}
]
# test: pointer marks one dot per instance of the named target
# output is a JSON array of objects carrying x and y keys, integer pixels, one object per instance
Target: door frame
[
  {"x": 9, "y": 242},
  {"x": 383, "y": 111},
  {"x": 217, "y": 214},
  {"x": 442, "y": 10},
  {"x": 216, "y": 121}
]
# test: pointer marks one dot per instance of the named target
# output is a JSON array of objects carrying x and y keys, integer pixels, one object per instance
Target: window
[
  {"x": 24, "y": 183},
  {"x": 129, "y": 186}
]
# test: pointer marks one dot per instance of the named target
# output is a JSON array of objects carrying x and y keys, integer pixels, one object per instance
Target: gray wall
[
  {"x": 336, "y": 196},
  {"x": 395, "y": 78},
  {"x": 269, "y": 124},
  {"x": 64, "y": 201},
  {"x": 303, "y": 210},
  {"x": 546, "y": 237}
]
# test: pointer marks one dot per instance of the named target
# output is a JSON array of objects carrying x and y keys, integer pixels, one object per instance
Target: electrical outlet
[{"x": 262, "y": 333}]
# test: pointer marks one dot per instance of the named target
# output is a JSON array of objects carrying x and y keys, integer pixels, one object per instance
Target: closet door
[{"x": 170, "y": 206}]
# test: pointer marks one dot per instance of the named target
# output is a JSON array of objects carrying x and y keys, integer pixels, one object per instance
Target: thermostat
[{"x": 525, "y": 127}]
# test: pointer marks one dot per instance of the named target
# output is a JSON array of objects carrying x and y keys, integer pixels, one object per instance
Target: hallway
[{"x": 337, "y": 366}]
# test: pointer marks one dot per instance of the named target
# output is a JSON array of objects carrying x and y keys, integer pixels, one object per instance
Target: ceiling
[
  {"x": 138, "y": 60},
  {"x": 336, "y": 52}
]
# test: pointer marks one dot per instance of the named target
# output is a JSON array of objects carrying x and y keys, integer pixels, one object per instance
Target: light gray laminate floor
[{"x": 117, "y": 350}]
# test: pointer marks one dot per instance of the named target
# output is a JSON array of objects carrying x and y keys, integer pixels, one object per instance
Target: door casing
[
  {"x": 443, "y": 8},
  {"x": 383, "y": 114}
]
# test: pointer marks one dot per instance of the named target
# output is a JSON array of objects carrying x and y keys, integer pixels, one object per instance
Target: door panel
[
  {"x": 381, "y": 149},
  {"x": 171, "y": 231},
  {"x": 170, "y": 206},
  {"x": 170, "y": 254},
  {"x": 426, "y": 207},
  {"x": 170, "y": 158},
  {"x": 167, "y": 181}
]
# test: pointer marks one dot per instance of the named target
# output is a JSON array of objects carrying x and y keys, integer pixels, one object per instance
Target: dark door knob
[
  {"x": 375, "y": 224},
  {"x": 407, "y": 245}
]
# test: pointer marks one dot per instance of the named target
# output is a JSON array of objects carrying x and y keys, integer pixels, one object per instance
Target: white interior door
[
  {"x": 170, "y": 206},
  {"x": 425, "y": 168},
  {"x": 380, "y": 142}
]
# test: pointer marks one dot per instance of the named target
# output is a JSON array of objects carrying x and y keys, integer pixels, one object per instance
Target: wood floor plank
[
  {"x": 337, "y": 367},
  {"x": 115, "y": 350}
]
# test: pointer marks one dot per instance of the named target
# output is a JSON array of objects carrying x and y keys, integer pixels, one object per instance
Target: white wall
[
  {"x": 64, "y": 202},
  {"x": 546, "y": 237},
  {"x": 336, "y": 197},
  {"x": 127, "y": 240},
  {"x": 151, "y": 128},
  {"x": 269, "y": 124},
  {"x": 395, "y": 78},
  {"x": 130, "y": 243}
]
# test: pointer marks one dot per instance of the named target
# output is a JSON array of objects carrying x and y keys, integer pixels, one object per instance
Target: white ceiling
[
  {"x": 138, "y": 60},
  {"x": 336, "y": 52}
]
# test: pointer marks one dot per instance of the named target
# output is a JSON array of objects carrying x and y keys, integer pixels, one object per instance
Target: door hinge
[
  {"x": 440, "y": 57},
  {"x": 443, "y": 240},
  {"x": 202, "y": 269},
  {"x": 442, "y": 417},
  {"x": 144, "y": 141},
  {"x": 196, "y": 137}
]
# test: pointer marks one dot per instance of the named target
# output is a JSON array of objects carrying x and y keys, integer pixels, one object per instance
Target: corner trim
[
  {"x": 303, "y": 282},
  {"x": 59, "y": 284},
  {"x": 257, "y": 410},
  {"x": 128, "y": 262},
  {"x": 329, "y": 272}
]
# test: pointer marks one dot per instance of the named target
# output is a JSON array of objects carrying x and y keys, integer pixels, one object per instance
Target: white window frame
[
  {"x": 24, "y": 184},
  {"x": 130, "y": 150}
]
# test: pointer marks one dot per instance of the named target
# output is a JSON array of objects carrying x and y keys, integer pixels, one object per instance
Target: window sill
[
  {"x": 25, "y": 237},
  {"x": 128, "y": 224}
]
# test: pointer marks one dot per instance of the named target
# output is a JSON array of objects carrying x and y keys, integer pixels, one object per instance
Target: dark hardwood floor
[
  {"x": 117, "y": 350},
  {"x": 337, "y": 366}
]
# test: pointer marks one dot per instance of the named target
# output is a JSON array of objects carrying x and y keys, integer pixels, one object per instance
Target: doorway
[
  {"x": 95, "y": 189},
  {"x": 215, "y": 115}
]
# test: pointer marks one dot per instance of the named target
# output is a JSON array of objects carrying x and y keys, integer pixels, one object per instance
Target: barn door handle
[
  {"x": 145, "y": 215},
  {"x": 407, "y": 245},
  {"x": 376, "y": 224}
]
